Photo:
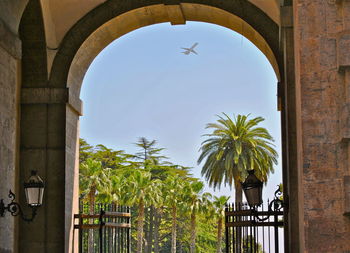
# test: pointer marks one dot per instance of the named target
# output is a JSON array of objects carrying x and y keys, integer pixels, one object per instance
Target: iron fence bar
[
  {"x": 128, "y": 240},
  {"x": 80, "y": 234},
  {"x": 269, "y": 230},
  {"x": 243, "y": 229},
  {"x": 246, "y": 245},
  {"x": 256, "y": 239},
  {"x": 263, "y": 234},
  {"x": 227, "y": 231},
  {"x": 251, "y": 237},
  {"x": 108, "y": 215},
  {"x": 276, "y": 235},
  {"x": 105, "y": 231},
  {"x": 256, "y": 224},
  {"x": 100, "y": 231},
  {"x": 235, "y": 237},
  {"x": 252, "y": 212}
]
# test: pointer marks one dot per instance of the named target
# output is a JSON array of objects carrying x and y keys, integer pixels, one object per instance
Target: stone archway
[
  {"x": 149, "y": 15},
  {"x": 58, "y": 105}
]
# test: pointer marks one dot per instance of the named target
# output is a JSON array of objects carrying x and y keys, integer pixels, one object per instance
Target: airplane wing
[
  {"x": 190, "y": 50},
  {"x": 194, "y": 45}
]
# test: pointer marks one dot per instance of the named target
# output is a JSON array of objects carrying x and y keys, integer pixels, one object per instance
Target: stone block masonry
[{"x": 8, "y": 142}]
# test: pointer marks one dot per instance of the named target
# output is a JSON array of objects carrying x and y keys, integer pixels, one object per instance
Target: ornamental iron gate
[
  {"x": 253, "y": 230},
  {"x": 106, "y": 231}
]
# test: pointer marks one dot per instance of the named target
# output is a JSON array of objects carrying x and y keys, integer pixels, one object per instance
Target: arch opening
[
  {"x": 76, "y": 53},
  {"x": 105, "y": 98}
]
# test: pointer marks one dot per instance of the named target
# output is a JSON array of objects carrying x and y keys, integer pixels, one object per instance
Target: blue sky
[{"x": 141, "y": 85}]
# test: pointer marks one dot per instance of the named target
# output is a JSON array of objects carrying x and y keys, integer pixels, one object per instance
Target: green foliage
[
  {"x": 85, "y": 151},
  {"x": 248, "y": 246},
  {"x": 166, "y": 199},
  {"x": 206, "y": 235},
  {"x": 234, "y": 147},
  {"x": 93, "y": 178}
]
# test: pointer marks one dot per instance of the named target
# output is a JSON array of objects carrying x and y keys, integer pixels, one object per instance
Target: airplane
[{"x": 190, "y": 50}]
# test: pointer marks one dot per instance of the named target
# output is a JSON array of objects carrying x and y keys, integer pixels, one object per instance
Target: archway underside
[{"x": 160, "y": 13}]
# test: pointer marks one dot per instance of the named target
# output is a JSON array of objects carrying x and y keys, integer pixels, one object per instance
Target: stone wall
[
  {"x": 9, "y": 89},
  {"x": 72, "y": 177},
  {"x": 320, "y": 47}
]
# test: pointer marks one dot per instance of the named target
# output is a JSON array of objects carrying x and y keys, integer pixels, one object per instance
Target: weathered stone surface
[
  {"x": 343, "y": 50},
  {"x": 347, "y": 195},
  {"x": 72, "y": 176},
  {"x": 8, "y": 144},
  {"x": 44, "y": 95},
  {"x": 9, "y": 41},
  {"x": 175, "y": 14},
  {"x": 287, "y": 16},
  {"x": 323, "y": 49}
]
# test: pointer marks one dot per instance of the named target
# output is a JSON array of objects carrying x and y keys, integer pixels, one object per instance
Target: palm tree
[
  {"x": 157, "y": 222},
  {"x": 197, "y": 202},
  {"x": 149, "y": 157},
  {"x": 92, "y": 178},
  {"x": 143, "y": 192},
  {"x": 233, "y": 148},
  {"x": 114, "y": 190},
  {"x": 219, "y": 212},
  {"x": 173, "y": 198}
]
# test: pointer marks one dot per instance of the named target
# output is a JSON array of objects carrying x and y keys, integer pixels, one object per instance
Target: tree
[
  {"x": 150, "y": 159},
  {"x": 233, "y": 148},
  {"x": 219, "y": 213},
  {"x": 149, "y": 154},
  {"x": 109, "y": 158},
  {"x": 85, "y": 150},
  {"x": 173, "y": 198},
  {"x": 143, "y": 191},
  {"x": 197, "y": 202},
  {"x": 92, "y": 178},
  {"x": 156, "y": 190},
  {"x": 114, "y": 189}
]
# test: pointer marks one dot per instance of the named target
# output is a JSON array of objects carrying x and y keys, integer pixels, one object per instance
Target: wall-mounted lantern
[
  {"x": 252, "y": 188},
  {"x": 34, "y": 190}
]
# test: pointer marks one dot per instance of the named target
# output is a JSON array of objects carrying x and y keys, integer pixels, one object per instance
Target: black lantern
[
  {"x": 34, "y": 190},
  {"x": 252, "y": 188}
]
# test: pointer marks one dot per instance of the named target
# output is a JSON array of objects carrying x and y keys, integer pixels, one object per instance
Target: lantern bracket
[
  {"x": 15, "y": 209},
  {"x": 275, "y": 205}
]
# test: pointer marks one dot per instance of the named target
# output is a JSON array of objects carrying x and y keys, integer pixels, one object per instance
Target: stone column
[
  {"x": 49, "y": 144},
  {"x": 343, "y": 64},
  {"x": 10, "y": 54},
  {"x": 320, "y": 47},
  {"x": 292, "y": 172}
]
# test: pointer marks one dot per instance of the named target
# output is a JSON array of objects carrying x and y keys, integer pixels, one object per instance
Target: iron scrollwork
[
  {"x": 15, "y": 209},
  {"x": 276, "y": 205}
]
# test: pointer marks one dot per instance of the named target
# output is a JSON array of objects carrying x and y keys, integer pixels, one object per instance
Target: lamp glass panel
[
  {"x": 253, "y": 196},
  {"x": 34, "y": 196}
]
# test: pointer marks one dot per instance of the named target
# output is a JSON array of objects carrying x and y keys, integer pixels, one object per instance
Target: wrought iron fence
[
  {"x": 105, "y": 230},
  {"x": 254, "y": 230}
]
